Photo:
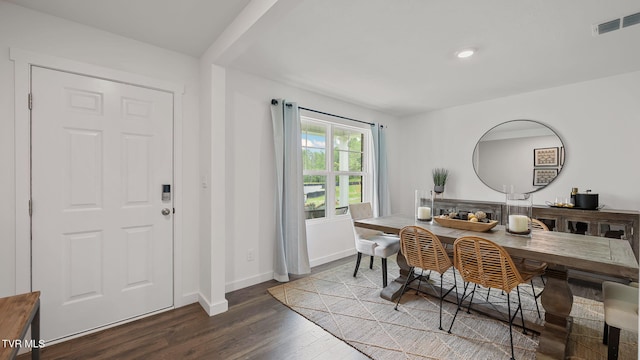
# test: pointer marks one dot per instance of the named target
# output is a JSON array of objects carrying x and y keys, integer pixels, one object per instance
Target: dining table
[{"x": 561, "y": 251}]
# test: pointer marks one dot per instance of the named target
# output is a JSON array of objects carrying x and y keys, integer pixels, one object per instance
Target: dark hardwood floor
[{"x": 256, "y": 326}]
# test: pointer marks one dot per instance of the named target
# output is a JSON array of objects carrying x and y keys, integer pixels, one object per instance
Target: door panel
[{"x": 102, "y": 250}]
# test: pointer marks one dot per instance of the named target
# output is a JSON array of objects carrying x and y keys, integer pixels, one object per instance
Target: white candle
[
  {"x": 518, "y": 223},
  {"x": 424, "y": 213}
]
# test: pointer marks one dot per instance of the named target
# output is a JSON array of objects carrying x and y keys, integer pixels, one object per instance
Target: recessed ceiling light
[{"x": 465, "y": 53}]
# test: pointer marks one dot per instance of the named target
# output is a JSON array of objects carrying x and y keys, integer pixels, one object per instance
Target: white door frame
[{"x": 23, "y": 60}]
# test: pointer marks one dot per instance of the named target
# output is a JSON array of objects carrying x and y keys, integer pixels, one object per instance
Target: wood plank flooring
[{"x": 256, "y": 326}]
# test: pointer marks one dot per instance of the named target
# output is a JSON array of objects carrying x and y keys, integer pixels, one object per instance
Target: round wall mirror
[{"x": 519, "y": 156}]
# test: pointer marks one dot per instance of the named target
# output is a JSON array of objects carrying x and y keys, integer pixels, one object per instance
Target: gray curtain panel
[
  {"x": 291, "y": 255},
  {"x": 381, "y": 199}
]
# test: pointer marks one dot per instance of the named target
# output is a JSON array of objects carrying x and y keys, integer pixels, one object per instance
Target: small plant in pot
[{"x": 439, "y": 179}]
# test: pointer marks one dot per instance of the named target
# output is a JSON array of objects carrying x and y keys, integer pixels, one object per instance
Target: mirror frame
[{"x": 561, "y": 156}]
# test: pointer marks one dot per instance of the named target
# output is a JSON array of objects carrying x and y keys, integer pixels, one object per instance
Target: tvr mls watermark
[{"x": 32, "y": 344}]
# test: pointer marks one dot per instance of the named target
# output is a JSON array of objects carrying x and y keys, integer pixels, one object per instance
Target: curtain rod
[{"x": 275, "y": 102}]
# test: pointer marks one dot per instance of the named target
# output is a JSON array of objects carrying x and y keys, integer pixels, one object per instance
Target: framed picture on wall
[
  {"x": 545, "y": 157},
  {"x": 543, "y": 176}
]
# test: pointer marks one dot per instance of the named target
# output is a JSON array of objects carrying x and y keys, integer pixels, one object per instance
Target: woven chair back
[
  {"x": 538, "y": 225},
  {"x": 485, "y": 263},
  {"x": 423, "y": 249}
]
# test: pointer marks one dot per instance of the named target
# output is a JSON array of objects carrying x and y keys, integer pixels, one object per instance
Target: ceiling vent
[
  {"x": 631, "y": 20},
  {"x": 616, "y": 24}
]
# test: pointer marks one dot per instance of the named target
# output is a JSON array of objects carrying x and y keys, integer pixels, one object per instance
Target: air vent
[
  {"x": 609, "y": 26},
  {"x": 616, "y": 24},
  {"x": 631, "y": 20}
]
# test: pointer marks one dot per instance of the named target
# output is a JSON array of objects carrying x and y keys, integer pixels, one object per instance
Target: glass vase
[
  {"x": 519, "y": 214},
  {"x": 423, "y": 205}
]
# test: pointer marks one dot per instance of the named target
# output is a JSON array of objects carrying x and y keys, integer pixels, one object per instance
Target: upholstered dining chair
[
  {"x": 423, "y": 250},
  {"x": 482, "y": 262},
  {"x": 620, "y": 313},
  {"x": 371, "y": 242}
]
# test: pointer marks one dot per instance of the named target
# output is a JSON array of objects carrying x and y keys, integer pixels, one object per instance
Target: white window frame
[{"x": 330, "y": 174}]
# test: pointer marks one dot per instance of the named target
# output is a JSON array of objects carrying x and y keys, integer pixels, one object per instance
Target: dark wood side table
[{"x": 16, "y": 314}]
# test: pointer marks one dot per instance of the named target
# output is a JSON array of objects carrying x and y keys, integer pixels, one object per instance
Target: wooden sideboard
[{"x": 620, "y": 224}]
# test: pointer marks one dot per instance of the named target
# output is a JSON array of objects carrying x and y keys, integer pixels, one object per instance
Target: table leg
[
  {"x": 35, "y": 333},
  {"x": 392, "y": 291},
  {"x": 557, "y": 301}
]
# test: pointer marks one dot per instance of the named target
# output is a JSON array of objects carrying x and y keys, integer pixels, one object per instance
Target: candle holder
[
  {"x": 423, "y": 205},
  {"x": 519, "y": 214}
]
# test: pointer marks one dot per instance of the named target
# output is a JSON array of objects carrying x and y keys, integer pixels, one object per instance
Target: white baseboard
[
  {"x": 332, "y": 257},
  {"x": 213, "y": 309},
  {"x": 187, "y": 299},
  {"x": 246, "y": 282},
  {"x": 260, "y": 278}
]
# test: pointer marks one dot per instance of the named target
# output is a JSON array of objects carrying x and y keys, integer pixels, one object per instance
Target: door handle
[{"x": 166, "y": 211}]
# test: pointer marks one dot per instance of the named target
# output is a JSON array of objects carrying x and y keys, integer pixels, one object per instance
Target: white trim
[
  {"x": 186, "y": 299},
  {"x": 20, "y": 56},
  {"x": 213, "y": 309},
  {"x": 249, "y": 281},
  {"x": 23, "y": 60}
]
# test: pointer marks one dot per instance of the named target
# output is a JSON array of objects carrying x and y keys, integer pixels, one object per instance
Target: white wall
[
  {"x": 47, "y": 35},
  {"x": 598, "y": 121},
  {"x": 251, "y": 178}
]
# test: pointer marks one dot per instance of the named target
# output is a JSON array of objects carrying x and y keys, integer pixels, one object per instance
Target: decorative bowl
[{"x": 466, "y": 225}]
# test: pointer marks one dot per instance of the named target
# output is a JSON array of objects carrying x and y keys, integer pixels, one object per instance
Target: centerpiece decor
[
  {"x": 440, "y": 176},
  {"x": 423, "y": 205},
  {"x": 519, "y": 214}
]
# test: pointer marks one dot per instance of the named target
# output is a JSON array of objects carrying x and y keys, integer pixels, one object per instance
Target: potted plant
[{"x": 439, "y": 179}]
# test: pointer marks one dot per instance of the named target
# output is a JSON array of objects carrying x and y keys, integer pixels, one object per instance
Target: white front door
[{"x": 102, "y": 246}]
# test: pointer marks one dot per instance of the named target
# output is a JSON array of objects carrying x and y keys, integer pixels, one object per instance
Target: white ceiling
[
  {"x": 396, "y": 56},
  {"x": 185, "y": 26}
]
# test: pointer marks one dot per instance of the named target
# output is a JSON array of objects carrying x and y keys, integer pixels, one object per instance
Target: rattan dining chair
[
  {"x": 423, "y": 250},
  {"x": 482, "y": 262},
  {"x": 538, "y": 225},
  {"x": 372, "y": 242},
  {"x": 530, "y": 266}
]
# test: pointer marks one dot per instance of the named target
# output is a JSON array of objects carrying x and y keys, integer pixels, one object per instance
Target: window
[{"x": 335, "y": 167}]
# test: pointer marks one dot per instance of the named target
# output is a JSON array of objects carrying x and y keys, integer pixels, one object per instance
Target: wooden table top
[
  {"x": 593, "y": 254},
  {"x": 16, "y": 313}
]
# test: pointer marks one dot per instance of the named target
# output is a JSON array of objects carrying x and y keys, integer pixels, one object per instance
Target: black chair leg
[
  {"x": 473, "y": 293},
  {"x": 464, "y": 294},
  {"x": 535, "y": 299},
  {"x": 605, "y": 334},
  {"x": 384, "y": 272},
  {"x": 510, "y": 323},
  {"x": 357, "y": 264},
  {"x": 614, "y": 341},
  {"x": 441, "y": 296},
  {"x": 524, "y": 328},
  {"x": 371, "y": 263}
]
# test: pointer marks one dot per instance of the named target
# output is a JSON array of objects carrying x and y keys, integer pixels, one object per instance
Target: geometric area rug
[{"x": 352, "y": 310}]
